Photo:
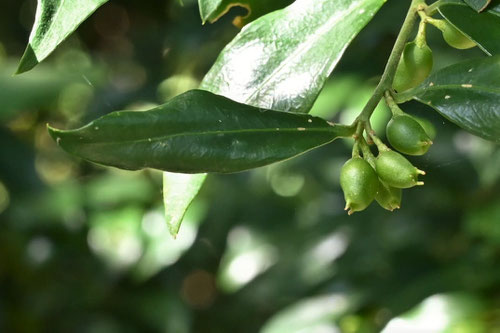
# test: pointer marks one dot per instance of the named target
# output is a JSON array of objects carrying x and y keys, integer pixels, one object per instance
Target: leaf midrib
[{"x": 162, "y": 138}]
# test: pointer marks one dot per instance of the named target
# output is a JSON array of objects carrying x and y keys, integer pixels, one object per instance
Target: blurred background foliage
[{"x": 84, "y": 248}]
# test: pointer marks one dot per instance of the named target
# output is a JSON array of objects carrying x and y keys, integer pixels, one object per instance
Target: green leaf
[
  {"x": 197, "y": 132},
  {"x": 212, "y": 10},
  {"x": 55, "y": 20},
  {"x": 282, "y": 60},
  {"x": 483, "y": 28},
  {"x": 468, "y": 94},
  {"x": 179, "y": 190},
  {"x": 289, "y": 74},
  {"x": 478, "y": 5}
]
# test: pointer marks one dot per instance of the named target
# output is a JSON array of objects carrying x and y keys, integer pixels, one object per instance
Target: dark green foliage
[
  {"x": 467, "y": 94},
  {"x": 482, "y": 28},
  {"x": 197, "y": 132},
  {"x": 85, "y": 248}
]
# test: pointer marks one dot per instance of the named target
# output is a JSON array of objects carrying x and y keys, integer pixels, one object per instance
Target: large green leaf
[
  {"x": 54, "y": 21},
  {"x": 281, "y": 60},
  {"x": 478, "y": 5},
  {"x": 212, "y": 10},
  {"x": 197, "y": 132},
  {"x": 468, "y": 94},
  {"x": 483, "y": 28}
]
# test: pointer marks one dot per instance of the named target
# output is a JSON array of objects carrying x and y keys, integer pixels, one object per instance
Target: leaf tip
[
  {"x": 54, "y": 133},
  {"x": 173, "y": 229},
  {"x": 28, "y": 61},
  {"x": 51, "y": 129}
]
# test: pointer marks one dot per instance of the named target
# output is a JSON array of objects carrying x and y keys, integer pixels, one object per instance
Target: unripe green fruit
[
  {"x": 360, "y": 184},
  {"x": 397, "y": 171},
  {"x": 428, "y": 127},
  {"x": 414, "y": 67},
  {"x": 455, "y": 38},
  {"x": 388, "y": 197},
  {"x": 407, "y": 136}
]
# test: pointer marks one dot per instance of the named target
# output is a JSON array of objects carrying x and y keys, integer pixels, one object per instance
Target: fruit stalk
[
  {"x": 367, "y": 154},
  {"x": 373, "y": 136},
  {"x": 453, "y": 37},
  {"x": 387, "y": 79},
  {"x": 393, "y": 106}
]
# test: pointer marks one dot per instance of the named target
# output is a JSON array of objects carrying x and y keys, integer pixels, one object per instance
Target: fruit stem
[
  {"x": 421, "y": 38},
  {"x": 440, "y": 24},
  {"x": 359, "y": 130},
  {"x": 367, "y": 153},
  {"x": 432, "y": 9},
  {"x": 355, "y": 149},
  {"x": 371, "y": 133},
  {"x": 392, "y": 104},
  {"x": 385, "y": 83}
]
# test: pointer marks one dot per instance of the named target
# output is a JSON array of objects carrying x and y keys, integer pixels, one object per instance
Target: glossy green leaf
[
  {"x": 281, "y": 60},
  {"x": 212, "y": 10},
  {"x": 483, "y": 28},
  {"x": 478, "y": 5},
  {"x": 468, "y": 94},
  {"x": 179, "y": 190},
  {"x": 55, "y": 20},
  {"x": 270, "y": 66},
  {"x": 197, "y": 132}
]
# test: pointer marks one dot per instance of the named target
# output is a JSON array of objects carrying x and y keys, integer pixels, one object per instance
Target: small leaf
[
  {"x": 468, "y": 94},
  {"x": 483, "y": 28},
  {"x": 478, "y": 5},
  {"x": 212, "y": 10},
  {"x": 55, "y": 20},
  {"x": 179, "y": 190},
  {"x": 197, "y": 132},
  {"x": 282, "y": 60}
]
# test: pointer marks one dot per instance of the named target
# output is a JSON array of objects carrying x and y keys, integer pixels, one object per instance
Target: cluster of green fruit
[
  {"x": 367, "y": 178},
  {"x": 382, "y": 178}
]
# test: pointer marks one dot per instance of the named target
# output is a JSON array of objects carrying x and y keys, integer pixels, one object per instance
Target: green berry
[
  {"x": 455, "y": 38},
  {"x": 359, "y": 182},
  {"x": 396, "y": 171},
  {"x": 407, "y": 136},
  {"x": 388, "y": 197},
  {"x": 428, "y": 127},
  {"x": 403, "y": 79},
  {"x": 414, "y": 67}
]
